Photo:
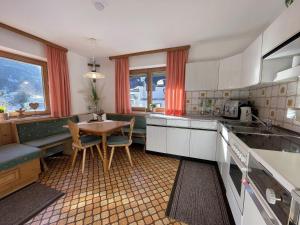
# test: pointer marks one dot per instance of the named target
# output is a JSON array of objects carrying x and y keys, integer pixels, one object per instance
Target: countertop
[
  {"x": 186, "y": 117},
  {"x": 284, "y": 166}
]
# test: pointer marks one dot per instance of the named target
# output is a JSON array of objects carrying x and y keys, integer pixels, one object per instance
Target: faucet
[{"x": 267, "y": 124}]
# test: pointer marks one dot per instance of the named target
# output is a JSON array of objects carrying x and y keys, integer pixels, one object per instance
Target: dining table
[{"x": 103, "y": 129}]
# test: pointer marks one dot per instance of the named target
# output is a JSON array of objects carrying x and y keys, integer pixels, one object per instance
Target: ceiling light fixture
[{"x": 94, "y": 75}]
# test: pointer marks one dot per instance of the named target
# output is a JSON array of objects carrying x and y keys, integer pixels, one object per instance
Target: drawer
[
  {"x": 207, "y": 125},
  {"x": 178, "y": 123},
  {"x": 10, "y": 176},
  {"x": 156, "y": 121}
]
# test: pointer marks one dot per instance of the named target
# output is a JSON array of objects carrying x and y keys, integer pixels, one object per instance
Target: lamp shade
[{"x": 94, "y": 75}]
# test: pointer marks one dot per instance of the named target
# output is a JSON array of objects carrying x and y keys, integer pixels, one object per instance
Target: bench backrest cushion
[
  {"x": 140, "y": 120},
  {"x": 31, "y": 131}
]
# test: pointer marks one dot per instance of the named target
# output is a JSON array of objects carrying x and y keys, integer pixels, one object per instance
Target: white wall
[
  {"x": 78, "y": 84},
  {"x": 106, "y": 86},
  {"x": 13, "y": 42},
  {"x": 148, "y": 61}
]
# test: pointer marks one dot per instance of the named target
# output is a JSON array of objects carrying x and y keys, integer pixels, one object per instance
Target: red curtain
[
  {"x": 122, "y": 86},
  {"x": 59, "y": 84},
  {"x": 175, "y": 87}
]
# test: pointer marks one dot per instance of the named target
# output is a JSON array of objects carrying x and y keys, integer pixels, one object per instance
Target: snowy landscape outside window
[
  {"x": 147, "y": 87},
  {"x": 22, "y": 83}
]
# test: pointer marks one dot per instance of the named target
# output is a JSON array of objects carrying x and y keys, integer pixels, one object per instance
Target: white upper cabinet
[
  {"x": 251, "y": 64},
  {"x": 230, "y": 72},
  {"x": 284, "y": 27},
  {"x": 202, "y": 76}
]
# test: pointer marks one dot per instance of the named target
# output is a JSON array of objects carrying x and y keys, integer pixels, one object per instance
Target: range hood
[{"x": 291, "y": 73}]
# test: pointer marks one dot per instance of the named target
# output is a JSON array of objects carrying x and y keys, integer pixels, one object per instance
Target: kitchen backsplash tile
[
  {"x": 198, "y": 102},
  {"x": 273, "y": 101}
]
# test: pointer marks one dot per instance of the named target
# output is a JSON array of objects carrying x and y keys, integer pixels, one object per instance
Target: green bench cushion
[
  {"x": 140, "y": 120},
  {"x": 117, "y": 140},
  {"x": 14, "y": 154},
  {"x": 49, "y": 140},
  {"x": 135, "y": 130},
  {"x": 41, "y": 129}
]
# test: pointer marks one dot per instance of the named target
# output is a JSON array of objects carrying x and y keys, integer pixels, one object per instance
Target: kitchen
[{"x": 248, "y": 153}]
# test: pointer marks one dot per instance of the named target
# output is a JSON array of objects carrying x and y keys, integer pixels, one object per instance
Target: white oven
[{"x": 237, "y": 173}]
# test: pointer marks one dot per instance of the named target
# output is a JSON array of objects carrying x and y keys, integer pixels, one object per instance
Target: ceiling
[{"x": 126, "y": 26}]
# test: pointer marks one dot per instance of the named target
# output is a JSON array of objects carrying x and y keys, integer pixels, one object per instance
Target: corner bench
[
  {"x": 48, "y": 135},
  {"x": 19, "y": 166}
]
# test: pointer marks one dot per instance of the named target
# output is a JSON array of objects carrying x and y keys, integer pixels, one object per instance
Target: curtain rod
[
  {"x": 151, "y": 52},
  {"x": 31, "y": 36}
]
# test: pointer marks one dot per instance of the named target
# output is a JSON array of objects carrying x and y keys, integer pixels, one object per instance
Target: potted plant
[
  {"x": 94, "y": 99},
  {"x": 152, "y": 107},
  {"x": 3, "y": 113}
]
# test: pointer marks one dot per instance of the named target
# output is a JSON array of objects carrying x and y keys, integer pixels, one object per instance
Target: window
[
  {"x": 147, "y": 86},
  {"x": 23, "y": 82}
]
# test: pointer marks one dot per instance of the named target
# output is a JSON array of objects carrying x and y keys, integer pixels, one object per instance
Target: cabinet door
[
  {"x": 219, "y": 152},
  {"x": 230, "y": 72},
  {"x": 251, "y": 215},
  {"x": 284, "y": 27},
  {"x": 202, "y": 76},
  {"x": 156, "y": 139},
  {"x": 251, "y": 61},
  {"x": 178, "y": 141},
  {"x": 203, "y": 144}
]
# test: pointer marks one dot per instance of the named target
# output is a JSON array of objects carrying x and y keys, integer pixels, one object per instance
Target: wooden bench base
[{"x": 17, "y": 177}]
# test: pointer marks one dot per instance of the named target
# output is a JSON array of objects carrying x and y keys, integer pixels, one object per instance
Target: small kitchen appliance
[
  {"x": 232, "y": 108},
  {"x": 246, "y": 114}
]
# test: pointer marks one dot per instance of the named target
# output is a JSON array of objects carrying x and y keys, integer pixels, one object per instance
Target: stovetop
[{"x": 271, "y": 142}]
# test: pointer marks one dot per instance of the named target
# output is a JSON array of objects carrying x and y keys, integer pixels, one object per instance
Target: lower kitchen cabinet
[
  {"x": 178, "y": 141},
  {"x": 251, "y": 215},
  {"x": 156, "y": 139},
  {"x": 203, "y": 144}
]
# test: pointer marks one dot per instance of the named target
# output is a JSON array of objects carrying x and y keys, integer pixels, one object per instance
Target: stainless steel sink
[{"x": 252, "y": 130}]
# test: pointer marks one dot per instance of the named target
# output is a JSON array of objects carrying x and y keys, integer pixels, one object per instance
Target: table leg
[{"x": 104, "y": 146}]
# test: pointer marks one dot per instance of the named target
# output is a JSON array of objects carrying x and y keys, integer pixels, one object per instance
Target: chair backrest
[
  {"x": 74, "y": 130},
  {"x": 132, "y": 121}
]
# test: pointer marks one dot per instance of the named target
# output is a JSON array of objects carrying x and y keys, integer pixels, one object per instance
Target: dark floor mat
[
  {"x": 197, "y": 197},
  {"x": 22, "y": 205}
]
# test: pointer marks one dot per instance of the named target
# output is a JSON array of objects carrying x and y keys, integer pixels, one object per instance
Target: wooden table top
[{"x": 104, "y": 127}]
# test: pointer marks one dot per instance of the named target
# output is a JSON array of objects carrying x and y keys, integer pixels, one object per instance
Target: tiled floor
[{"x": 127, "y": 195}]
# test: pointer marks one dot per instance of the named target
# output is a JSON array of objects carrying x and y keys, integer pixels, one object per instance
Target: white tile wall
[{"x": 272, "y": 103}]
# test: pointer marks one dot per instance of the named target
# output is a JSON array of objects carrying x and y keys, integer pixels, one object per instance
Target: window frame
[
  {"x": 148, "y": 72},
  {"x": 38, "y": 62}
]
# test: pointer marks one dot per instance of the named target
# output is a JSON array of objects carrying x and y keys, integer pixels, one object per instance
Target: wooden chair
[
  {"x": 121, "y": 141},
  {"x": 82, "y": 143}
]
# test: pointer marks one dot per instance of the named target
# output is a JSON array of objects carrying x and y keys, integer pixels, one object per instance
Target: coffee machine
[{"x": 232, "y": 108}]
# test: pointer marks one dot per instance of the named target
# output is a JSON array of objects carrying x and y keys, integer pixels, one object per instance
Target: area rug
[
  {"x": 21, "y": 206},
  {"x": 197, "y": 196}
]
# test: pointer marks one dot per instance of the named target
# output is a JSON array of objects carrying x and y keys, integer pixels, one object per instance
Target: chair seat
[
  {"x": 118, "y": 140},
  {"x": 48, "y": 140},
  {"x": 139, "y": 131},
  {"x": 90, "y": 140}
]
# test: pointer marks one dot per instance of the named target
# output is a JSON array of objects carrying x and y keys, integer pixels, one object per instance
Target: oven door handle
[
  {"x": 270, "y": 220},
  {"x": 237, "y": 161}
]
